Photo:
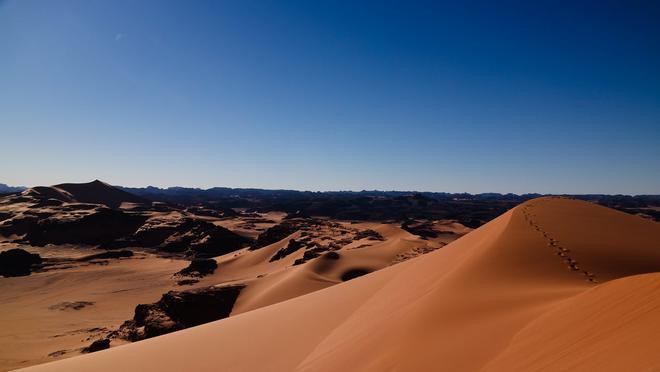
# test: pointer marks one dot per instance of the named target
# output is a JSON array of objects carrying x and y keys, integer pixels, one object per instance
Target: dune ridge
[{"x": 487, "y": 301}]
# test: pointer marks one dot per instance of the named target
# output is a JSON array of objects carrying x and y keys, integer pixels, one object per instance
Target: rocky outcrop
[
  {"x": 18, "y": 225},
  {"x": 117, "y": 229},
  {"x": 292, "y": 247},
  {"x": 193, "y": 237},
  {"x": 179, "y": 310},
  {"x": 18, "y": 262},
  {"x": 97, "y": 192},
  {"x": 311, "y": 254},
  {"x": 97, "y": 345},
  {"x": 370, "y": 234},
  {"x": 102, "y": 226},
  {"x": 199, "y": 267},
  {"x": 68, "y": 305},
  {"x": 202, "y": 239},
  {"x": 275, "y": 234}
]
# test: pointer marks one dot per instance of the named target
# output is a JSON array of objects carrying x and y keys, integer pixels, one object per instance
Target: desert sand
[
  {"x": 58, "y": 310},
  {"x": 553, "y": 284},
  {"x": 50, "y": 315}
]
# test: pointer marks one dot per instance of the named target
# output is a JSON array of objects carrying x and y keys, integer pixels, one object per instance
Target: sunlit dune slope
[
  {"x": 269, "y": 282},
  {"x": 486, "y": 300},
  {"x": 611, "y": 327}
]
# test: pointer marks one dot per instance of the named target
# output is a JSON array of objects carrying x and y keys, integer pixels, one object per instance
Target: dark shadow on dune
[{"x": 354, "y": 273}]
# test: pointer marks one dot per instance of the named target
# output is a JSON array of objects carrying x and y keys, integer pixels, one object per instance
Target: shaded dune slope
[{"x": 482, "y": 302}]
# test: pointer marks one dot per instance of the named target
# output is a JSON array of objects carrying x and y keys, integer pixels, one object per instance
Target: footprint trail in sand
[{"x": 561, "y": 251}]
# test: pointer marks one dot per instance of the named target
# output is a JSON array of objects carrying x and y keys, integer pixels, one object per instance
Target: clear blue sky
[{"x": 528, "y": 96}]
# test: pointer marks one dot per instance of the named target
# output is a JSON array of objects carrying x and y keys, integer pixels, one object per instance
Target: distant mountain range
[
  {"x": 471, "y": 209},
  {"x": 372, "y": 204},
  {"x": 6, "y": 189},
  {"x": 187, "y": 195}
]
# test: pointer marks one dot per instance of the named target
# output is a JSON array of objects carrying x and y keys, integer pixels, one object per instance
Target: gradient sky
[{"x": 524, "y": 96}]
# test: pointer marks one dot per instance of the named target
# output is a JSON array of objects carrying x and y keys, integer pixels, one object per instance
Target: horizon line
[{"x": 341, "y": 191}]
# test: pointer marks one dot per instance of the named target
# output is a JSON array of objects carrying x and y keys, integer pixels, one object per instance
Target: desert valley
[
  {"x": 329, "y": 186},
  {"x": 170, "y": 286}
]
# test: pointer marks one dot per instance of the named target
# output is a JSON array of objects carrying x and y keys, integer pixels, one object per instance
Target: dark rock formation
[
  {"x": 297, "y": 214},
  {"x": 93, "y": 224},
  {"x": 58, "y": 353},
  {"x": 290, "y": 248},
  {"x": 275, "y": 234},
  {"x": 102, "y": 226},
  {"x": 153, "y": 234},
  {"x": 75, "y": 305},
  {"x": 212, "y": 240},
  {"x": 97, "y": 345},
  {"x": 18, "y": 262},
  {"x": 18, "y": 225},
  {"x": 120, "y": 243},
  {"x": 203, "y": 211},
  {"x": 371, "y": 234},
  {"x": 203, "y": 239},
  {"x": 187, "y": 282},
  {"x": 191, "y": 236},
  {"x": 316, "y": 252},
  {"x": 97, "y": 192},
  {"x": 199, "y": 267},
  {"x": 179, "y": 310}
]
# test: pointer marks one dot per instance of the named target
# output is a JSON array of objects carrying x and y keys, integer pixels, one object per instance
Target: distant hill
[
  {"x": 6, "y": 189},
  {"x": 95, "y": 192}
]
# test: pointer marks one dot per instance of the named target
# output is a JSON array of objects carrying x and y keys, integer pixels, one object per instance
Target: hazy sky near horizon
[{"x": 550, "y": 97}]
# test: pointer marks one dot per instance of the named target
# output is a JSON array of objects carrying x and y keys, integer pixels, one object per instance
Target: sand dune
[
  {"x": 552, "y": 272},
  {"x": 64, "y": 316},
  {"x": 611, "y": 327},
  {"x": 273, "y": 282}
]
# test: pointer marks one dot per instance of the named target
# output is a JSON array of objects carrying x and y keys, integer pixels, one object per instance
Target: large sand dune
[{"x": 552, "y": 284}]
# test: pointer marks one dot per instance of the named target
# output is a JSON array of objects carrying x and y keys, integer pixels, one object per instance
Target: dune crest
[{"x": 476, "y": 303}]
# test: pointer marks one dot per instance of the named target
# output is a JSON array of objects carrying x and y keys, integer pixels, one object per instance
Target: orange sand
[{"x": 550, "y": 285}]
